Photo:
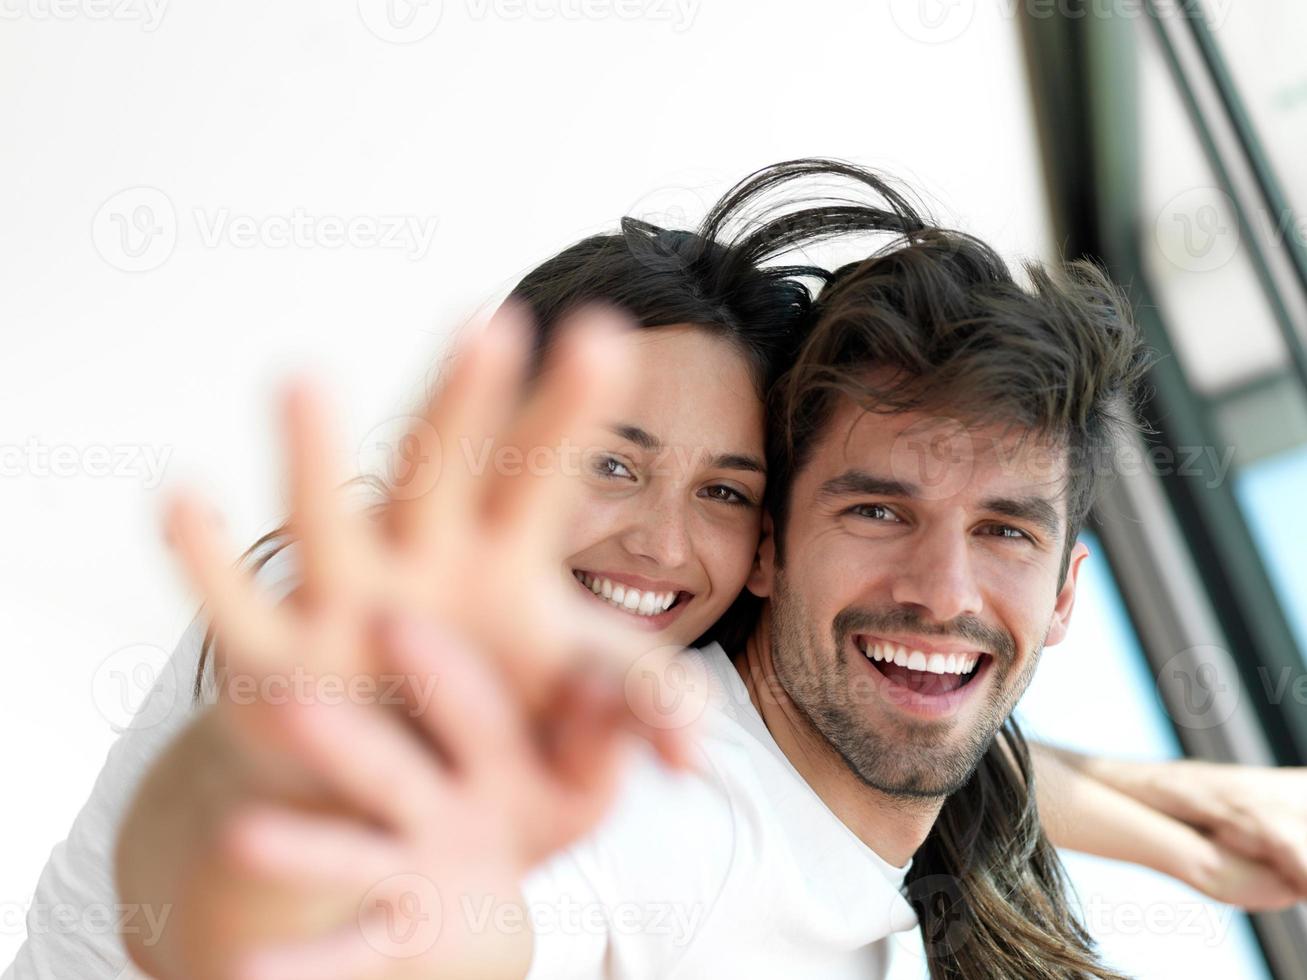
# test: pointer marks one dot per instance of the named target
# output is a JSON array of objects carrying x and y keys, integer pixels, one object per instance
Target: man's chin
[
  {"x": 919, "y": 782},
  {"x": 912, "y": 759}
]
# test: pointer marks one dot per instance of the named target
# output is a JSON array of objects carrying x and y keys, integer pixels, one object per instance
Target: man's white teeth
[
  {"x": 624, "y": 597},
  {"x": 934, "y": 663}
]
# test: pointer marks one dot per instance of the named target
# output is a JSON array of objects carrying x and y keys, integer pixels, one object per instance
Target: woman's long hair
[{"x": 988, "y": 887}]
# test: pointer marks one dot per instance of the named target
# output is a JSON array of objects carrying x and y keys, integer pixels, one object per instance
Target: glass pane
[
  {"x": 1219, "y": 319},
  {"x": 1193, "y": 249},
  {"x": 1094, "y": 693},
  {"x": 1271, "y": 492},
  {"x": 1262, "y": 45}
]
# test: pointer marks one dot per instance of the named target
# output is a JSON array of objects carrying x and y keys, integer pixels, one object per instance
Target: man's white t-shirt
[{"x": 737, "y": 869}]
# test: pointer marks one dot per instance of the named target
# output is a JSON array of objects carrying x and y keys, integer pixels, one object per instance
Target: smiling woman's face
[{"x": 671, "y": 492}]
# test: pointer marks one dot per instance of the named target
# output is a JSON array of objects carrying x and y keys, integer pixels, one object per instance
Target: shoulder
[
  {"x": 645, "y": 884},
  {"x": 78, "y": 875}
]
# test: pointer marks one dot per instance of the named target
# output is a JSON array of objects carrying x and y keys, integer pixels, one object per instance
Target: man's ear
[
  {"x": 764, "y": 561},
  {"x": 1066, "y": 597}
]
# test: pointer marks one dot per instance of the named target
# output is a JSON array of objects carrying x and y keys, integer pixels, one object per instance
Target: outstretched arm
[
  {"x": 306, "y": 812},
  {"x": 1227, "y": 831}
]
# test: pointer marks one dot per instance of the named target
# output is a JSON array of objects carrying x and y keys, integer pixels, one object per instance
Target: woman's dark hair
[
  {"x": 988, "y": 885},
  {"x": 723, "y": 277}
]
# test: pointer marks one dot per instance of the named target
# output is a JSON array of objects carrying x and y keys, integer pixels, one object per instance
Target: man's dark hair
[{"x": 936, "y": 322}]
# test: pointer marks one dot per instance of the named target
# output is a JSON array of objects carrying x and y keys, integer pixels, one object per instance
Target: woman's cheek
[
  {"x": 595, "y": 517},
  {"x": 729, "y": 556}
]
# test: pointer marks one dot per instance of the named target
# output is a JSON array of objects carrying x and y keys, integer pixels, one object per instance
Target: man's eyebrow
[
  {"x": 722, "y": 461},
  {"x": 1038, "y": 510},
  {"x": 853, "y": 483}
]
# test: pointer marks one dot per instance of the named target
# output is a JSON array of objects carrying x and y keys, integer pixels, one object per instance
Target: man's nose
[{"x": 935, "y": 574}]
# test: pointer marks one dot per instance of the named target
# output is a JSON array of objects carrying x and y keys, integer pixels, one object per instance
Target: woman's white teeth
[
  {"x": 934, "y": 663},
  {"x": 624, "y": 597}
]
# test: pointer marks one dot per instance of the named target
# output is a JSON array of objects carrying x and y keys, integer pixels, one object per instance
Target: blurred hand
[
  {"x": 302, "y": 835},
  {"x": 434, "y": 864}
]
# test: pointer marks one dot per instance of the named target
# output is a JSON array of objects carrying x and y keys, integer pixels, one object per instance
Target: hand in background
[{"x": 1257, "y": 812}]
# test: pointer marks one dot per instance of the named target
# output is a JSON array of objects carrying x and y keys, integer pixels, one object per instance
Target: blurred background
[{"x": 199, "y": 198}]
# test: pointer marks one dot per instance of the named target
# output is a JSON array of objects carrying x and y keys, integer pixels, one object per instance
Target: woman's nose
[{"x": 660, "y": 532}]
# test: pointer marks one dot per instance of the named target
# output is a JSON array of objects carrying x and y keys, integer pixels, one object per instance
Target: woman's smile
[{"x": 647, "y": 603}]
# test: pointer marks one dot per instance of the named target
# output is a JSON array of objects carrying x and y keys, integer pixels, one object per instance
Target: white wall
[{"x": 515, "y": 134}]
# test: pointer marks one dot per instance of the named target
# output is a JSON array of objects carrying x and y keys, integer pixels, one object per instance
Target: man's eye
[
  {"x": 1008, "y": 531},
  {"x": 873, "y": 512},
  {"x": 611, "y": 466}
]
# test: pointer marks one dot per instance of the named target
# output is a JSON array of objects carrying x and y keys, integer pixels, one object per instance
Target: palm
[{"x": 448, "y": 792}]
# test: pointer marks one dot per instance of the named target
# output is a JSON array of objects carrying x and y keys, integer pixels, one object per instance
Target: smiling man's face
[{"x": 921, "y": 580}]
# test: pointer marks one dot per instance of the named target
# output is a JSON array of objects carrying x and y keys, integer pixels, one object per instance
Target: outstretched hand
[{"x": 485, "y": 706}]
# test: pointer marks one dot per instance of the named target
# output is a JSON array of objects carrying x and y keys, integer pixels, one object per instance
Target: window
[
  {"x": 1176, "y": 155},
  {"x": 1095, "y": 693}
]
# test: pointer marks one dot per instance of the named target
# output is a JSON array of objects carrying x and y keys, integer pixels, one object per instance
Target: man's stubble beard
[{"x": 900, "y": 758}]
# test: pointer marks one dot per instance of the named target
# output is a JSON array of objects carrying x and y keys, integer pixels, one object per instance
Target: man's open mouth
[{"x": 921, "y": 672}]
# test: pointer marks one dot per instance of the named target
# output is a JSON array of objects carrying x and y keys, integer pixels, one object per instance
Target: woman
[{"x": 672, "y": 497}]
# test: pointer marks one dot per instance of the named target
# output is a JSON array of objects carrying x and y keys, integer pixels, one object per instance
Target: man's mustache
[{"x": 899, "y": 619}]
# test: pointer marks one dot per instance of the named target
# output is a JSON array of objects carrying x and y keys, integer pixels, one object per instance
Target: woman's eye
[
  {"x": 873, "y": 512},
  {"x": 610, "y": 466},
  {"x": 727, "y": 495}
]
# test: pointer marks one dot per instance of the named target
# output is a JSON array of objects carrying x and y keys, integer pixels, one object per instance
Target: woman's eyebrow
[
  {"x": 723, "y": 461},
  {"x": 738, "y": 461},
  {"x": 642, "y": 438}
]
